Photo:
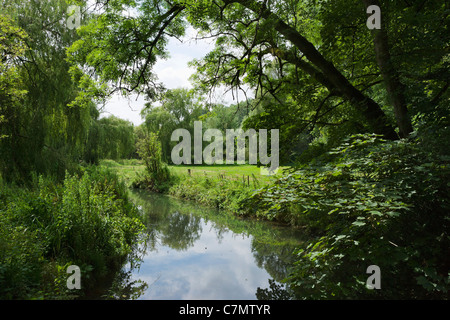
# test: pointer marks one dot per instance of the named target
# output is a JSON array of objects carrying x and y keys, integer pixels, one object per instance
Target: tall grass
[
  {"x": 210, "y": 191},
  {"x": 87, "y": 221}
]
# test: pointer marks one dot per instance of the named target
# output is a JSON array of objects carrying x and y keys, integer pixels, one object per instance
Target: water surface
[{"x": 193, "y": 252}]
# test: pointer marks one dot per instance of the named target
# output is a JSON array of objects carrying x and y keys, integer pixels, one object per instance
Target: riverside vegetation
[
  {"x": 367, "y": 201},
  {"x": 363, "y": 119},
  {"x": 56, "y": 209},
  {"x": 86, "y": 220}
]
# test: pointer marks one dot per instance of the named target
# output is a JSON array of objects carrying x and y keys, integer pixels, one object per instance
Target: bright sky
[{"x": 173, "y": 72}]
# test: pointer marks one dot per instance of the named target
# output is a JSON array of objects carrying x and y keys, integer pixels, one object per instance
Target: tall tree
[
  {"x": 297, "y": 34},
  {"x": 179, "y": 108},
  {"x": 391, "y": 77},
  {"x": 12, "y": 46},
  {"x": 46, "y": 131},
  {"x": 110, "y": 138}
]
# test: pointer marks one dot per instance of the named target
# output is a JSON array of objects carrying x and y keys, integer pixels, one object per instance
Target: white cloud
[
  {"x": 173, "y": 72},
  {"x": 127, "y": 109}
]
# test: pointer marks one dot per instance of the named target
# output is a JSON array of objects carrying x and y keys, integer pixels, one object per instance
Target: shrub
[
  {"x": 370, "y": 202},
  {"x": 157, "y": 175},
  {"x": 217, "y": 193}
]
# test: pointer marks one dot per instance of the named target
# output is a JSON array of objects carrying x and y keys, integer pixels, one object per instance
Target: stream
[{"x": 192, "y": 252}]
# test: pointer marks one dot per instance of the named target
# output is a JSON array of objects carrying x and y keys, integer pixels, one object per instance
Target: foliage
[
  {"x": 117, "y": 44},
  {"x": 87, "y": 221},
  {"x": 179, "y": 109},
  {"x": 42, "y": 130},
  {"x": 315, "y": 73},
  {"x": 317, "y": 76},
  {"x": 217, "y": 193},
  {"x": 157, "y": 176},
  {"x": 367, "y": 202},
  {"x": 110, "y": 138},
  {"x": 12, "y": 46},
  {"x": 225, "y": 117}
]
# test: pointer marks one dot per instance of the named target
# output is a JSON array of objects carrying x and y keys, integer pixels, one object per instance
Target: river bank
[
  {"x": 223, "y": 187},
  {"x": 368, "y": 202},
  {"x": 86, "y": 221}
]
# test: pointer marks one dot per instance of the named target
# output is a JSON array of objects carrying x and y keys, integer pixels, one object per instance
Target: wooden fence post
[{"x": 255, "y": 181}]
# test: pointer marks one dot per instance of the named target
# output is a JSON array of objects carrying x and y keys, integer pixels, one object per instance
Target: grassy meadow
[
  {"x": 130, "y": 169},
  {"x": 219, "y": 186}
]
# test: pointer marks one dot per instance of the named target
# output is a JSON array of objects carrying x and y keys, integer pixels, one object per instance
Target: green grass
[
  {"x": 230, "y": 172},
  {"x": 130, "y": 169}
]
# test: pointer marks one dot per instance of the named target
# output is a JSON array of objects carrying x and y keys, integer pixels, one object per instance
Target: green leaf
[{"x": 359, "y": 223}]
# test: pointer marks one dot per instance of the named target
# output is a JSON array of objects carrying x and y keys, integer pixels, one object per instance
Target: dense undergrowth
[
  {"x": 367, "y": 202},
  {"x": 87, "y": 220}
]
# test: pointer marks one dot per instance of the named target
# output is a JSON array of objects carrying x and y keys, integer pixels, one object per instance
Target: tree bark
[
  {"x": 394, "y": 87},
  {"x": 373, "y": 113}
]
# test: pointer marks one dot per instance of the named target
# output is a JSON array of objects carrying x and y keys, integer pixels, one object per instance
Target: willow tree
[
  {"x": 46, "y": 130},
  {"x": 116, "y": 138},
  {"x": 179, "y": 109},
  {"x": 324, "y": 45},
  {"x": 12, "y": 46}
]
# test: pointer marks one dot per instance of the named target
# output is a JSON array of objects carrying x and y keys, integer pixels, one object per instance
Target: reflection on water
[{"x": 192, "y": 252}]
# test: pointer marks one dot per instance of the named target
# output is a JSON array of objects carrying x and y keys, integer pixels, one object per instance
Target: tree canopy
[
  {"x": 308, "y": 55},
  {"x": 42, "y": 133}
]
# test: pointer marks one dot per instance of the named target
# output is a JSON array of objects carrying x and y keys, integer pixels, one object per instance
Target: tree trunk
[
  {"x": 394, "y": 87},
  {"x": 370, "y": 109}
]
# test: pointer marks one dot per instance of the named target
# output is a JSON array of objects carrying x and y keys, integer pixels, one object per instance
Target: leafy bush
[
  {"x": 96, "y": 223},
  {"x": 157, "y": 175},
  {"x": 87, "y": 221},
  {"x": 367, "y": 202},
  {"x": 20, "y": 260}
]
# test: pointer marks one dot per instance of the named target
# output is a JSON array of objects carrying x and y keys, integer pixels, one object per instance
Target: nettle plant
[{"x": 367, "y": 202}]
